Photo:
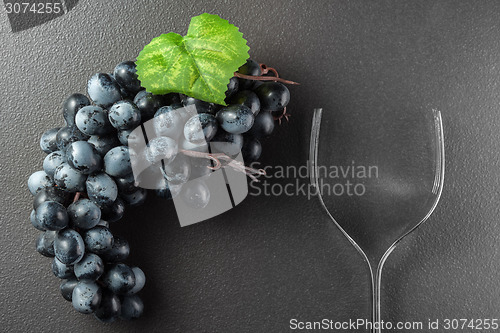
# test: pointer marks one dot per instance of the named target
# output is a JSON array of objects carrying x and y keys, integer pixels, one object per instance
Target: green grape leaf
[{"x": 199, "y": 64}]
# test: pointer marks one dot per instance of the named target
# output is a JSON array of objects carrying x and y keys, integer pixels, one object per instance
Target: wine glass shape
[{"x": 378, "y": 180}]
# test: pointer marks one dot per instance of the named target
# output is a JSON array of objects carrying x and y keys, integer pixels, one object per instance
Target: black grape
[
  {"x": 263, "y": 125},
  {"x": 126, "y": 76},
  {"x": 52, "y": 194},
  {"x": 103, "y": 90},
  {"x": 67, "y": 135},
  {"x": 273, "y": 96},
  {"x": 66, "y": 287},
  {"x": 248, "y": 98},
  {"x": 48, "y": 142},
  {"x": 45, "y": 243},
  {"x": 252, "y": 68},
  {"x": 251, "y": 150},
  {"x": 71, "y": 106},
  {"x": 110, "y": 307}
]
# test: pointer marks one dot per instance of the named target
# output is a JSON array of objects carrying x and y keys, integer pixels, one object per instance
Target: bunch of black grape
[{"x": 87, "y": 180}]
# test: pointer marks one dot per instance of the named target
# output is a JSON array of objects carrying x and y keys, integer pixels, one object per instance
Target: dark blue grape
[
  {"x": 62, "y": 270},
  {"x": 148, "y": 104},
  {"x": 132, "y": 307},
  {"x": 236, "y": 118},
  {"x": 51, "y": 215},
  {"x": 45, "y": 243},
  {"x": 103, "y": 90},
  {"x": 83, "y": 157},
  {"x": 91, "y": 267},
  {"x": 126, "y": 76},
  {"x": 93, "y": 120},
  {"x": 67, "y": 135},
  {"x": 52, "y": 194},
  {"x": 232, "y": 86},
  {"x": 252, "y": 68},
  {"x": 126, "y": 184},
  {"x": 48, "y": 141},
  {"x": 84, "y": 214},
  {"x": 161, "y": 148},
  {"x": 140, "y": 281},
  {"x": 117, "y": 162},
  {"x": 66, "y": 287},
  {"x": 86, "y": 296},
  {"x": 101, "y": 189},
  {"x": 119, "y": 252},
  {"x": 124, "y": 115},
  {"x": 103, "y": 143},
  {"x": 69, "y": 247},
  {"x": 168, "y": 121},
  {"x": 201, "y": 106},
  {"x": 200, "y": 128},
  {"x": 178, "y": 171},
  {"x": 172, "y": 98},
  {"x": 113, "y": 212},
  {"x": 130, "y": 137},
  {"x": 71, "y": 106},
  {"x": 230, "y": 144},
  {"x": 34, "y": 221},
  {"x": 123, "y": 136},
  {"x": 248, "y": 98},
  {"x": 126, "y": 95},
  {"x": 251, "y": 150},
  {"x": 273, "y": 96},
  {"x": 135, "y": 198},
  {"x": 263, "y": 125},
  {"x": 38, "y": 181},
  {"x": 98, "y": 239},
  {"x": 69, "y": 179},
  {"x": 119, "y": 279},
  {"x": 109, "y": 309},
  {"x": 184, "y": 112},
  {"x": 52, "y": 161}
]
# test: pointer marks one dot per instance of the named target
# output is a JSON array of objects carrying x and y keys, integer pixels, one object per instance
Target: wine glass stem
[
  {"x": 376, "y": 299},
  {"x": 376, "y": 275}
]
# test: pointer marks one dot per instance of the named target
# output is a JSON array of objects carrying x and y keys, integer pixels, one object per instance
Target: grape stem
[
  {"x": 217, "y": 157},
  {"x": 282, "y": 115},
  {"x": 264, "y": 78},
  {"x": 77, "y": 196},
  {"x": 264, "y": 70}
]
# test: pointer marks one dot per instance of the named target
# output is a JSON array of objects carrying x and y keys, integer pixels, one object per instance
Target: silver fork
[{"x": 436, "y": 191}]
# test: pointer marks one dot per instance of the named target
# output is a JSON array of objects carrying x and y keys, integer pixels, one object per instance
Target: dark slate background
[{"x": 254, "y": 268}]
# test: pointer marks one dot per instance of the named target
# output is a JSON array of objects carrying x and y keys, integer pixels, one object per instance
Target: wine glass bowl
[{"x": 393, "y": 164}]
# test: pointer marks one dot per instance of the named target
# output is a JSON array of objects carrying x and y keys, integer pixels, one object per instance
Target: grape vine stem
[
  {"x": 265, "y": 78},
  {"x": 218, "y": 157},
  {"x": 283, "y": 114},
  {"x": 77, "y": 196}
]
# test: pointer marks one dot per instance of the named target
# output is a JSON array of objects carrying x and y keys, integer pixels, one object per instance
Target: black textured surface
[{"x": 272, "y": 259}]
